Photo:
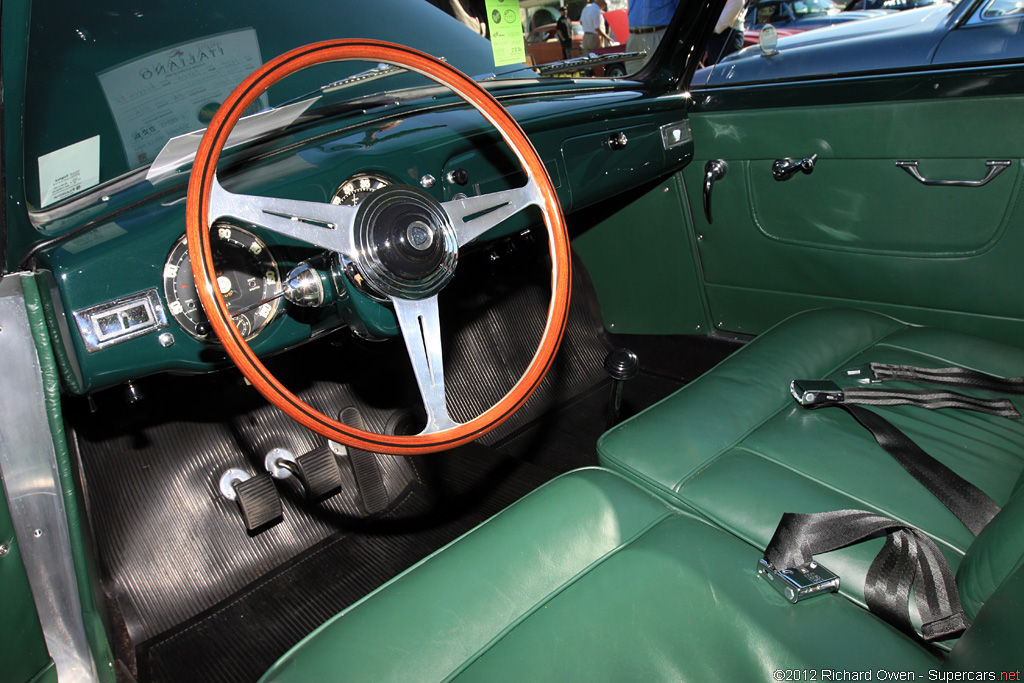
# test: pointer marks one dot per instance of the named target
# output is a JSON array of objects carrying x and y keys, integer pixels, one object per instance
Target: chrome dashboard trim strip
[{"x": 28, "y": 465}]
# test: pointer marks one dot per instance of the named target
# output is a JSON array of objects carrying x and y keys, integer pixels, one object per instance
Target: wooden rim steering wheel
[{"x": 402, "y": 241}]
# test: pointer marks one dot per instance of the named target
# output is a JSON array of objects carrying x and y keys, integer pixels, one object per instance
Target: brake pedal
[
  {"x": 256, "y": 496},
  {"x": 317, "y": 470}
]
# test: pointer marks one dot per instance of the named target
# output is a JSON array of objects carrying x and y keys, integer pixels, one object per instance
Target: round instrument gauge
[
  {"x": 357, "y": 188},
  {"x": 246, "y": 274}
]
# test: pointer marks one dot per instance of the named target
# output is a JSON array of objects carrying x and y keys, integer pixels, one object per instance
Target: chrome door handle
[
  {"x": 713, "y": 170},
  {"x": 994, "y": 169},
  {"x": 784, "y": 169}
]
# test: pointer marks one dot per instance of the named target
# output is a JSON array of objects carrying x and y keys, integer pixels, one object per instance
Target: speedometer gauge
[
  {"x": 246, "y": 275},
  {"x": 357, "y": 188}
]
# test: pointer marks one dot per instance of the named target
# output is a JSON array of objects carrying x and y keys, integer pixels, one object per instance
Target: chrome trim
[
  {"x": 421, "y": 328},
  {"x": 95, "y": 338},
  {"x": 28, "y": 465},
  {"x": 994, "y": 169},
  {"x": 322, "y": 224}
]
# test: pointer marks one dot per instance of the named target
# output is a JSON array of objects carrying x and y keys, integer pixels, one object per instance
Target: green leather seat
[
  {"x": 734, "y": 447},
  {"x": 591, "y": 578}
]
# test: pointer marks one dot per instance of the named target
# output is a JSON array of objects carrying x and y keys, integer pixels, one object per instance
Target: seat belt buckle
[
  {"x": 799, "y": 583},
  {"x": 815, "y": 392},
  {"x": 863, "y": 374}
]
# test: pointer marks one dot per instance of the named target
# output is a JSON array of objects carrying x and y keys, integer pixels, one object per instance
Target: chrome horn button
[{"x": 405, "y": 243}]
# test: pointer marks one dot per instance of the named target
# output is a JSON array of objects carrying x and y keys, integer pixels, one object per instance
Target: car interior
[{"x": 443, "y": 374}]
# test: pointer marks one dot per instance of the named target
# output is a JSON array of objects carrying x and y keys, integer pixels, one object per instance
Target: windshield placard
[
  {"x": 505, "y": 25},
  {"x": 177, "y": 90},
  {"x": 69, "y": 170}
]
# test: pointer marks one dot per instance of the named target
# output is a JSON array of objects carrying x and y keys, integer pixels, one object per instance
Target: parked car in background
[
  {"x": 542, "y": 46},
  {"x": 897, "y": 5},
  {"x": 965, "y": 32},
  {"x": 801, "y": 15}
]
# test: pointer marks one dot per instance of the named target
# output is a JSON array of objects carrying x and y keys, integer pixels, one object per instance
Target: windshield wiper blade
[
  {"x": 181, "y": 150},
  {"x": 579, "y": 63}
]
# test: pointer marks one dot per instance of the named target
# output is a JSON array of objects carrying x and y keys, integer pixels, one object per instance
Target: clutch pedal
[{"x": 256, "y": 496}]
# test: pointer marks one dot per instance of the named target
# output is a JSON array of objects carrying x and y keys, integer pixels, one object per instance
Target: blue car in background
[
  {"x": 801, "y": 15},
  {"x": 968, "y": 31}
]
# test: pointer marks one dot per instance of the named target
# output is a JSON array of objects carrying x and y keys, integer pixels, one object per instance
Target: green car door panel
[{"x": 859, "y": 228}]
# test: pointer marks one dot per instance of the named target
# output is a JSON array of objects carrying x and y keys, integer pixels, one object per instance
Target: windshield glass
[{"x": 111, "y": 82}]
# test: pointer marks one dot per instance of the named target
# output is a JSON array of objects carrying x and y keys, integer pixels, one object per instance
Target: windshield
[{"x": 109, "y": 83}]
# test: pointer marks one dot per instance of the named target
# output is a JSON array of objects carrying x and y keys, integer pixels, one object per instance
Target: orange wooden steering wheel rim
[{"x": 198, "y": 236}]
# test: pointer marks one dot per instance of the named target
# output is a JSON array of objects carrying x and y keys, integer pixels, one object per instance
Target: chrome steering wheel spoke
[
  {"x": 328, "y": 226},
  {"x": 421, "y": 328},
  {"x": 474, "y": 216}
]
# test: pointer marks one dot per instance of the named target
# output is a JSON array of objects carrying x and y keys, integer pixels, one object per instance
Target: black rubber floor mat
[{"x": 241, "y": 637}]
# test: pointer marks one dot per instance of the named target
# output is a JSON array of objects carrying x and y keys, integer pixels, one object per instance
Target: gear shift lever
[{"x": 621, "y": 365}]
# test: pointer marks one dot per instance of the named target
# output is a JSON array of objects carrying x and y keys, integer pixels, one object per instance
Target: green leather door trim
[
  {"x": 859, "y": 231},
  {"x": 643, "y": 264}
]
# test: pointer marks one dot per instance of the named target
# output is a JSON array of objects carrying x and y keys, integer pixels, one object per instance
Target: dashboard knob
[
  {"x": 458, "y": 177},
  {"x": 617, "y": 141}
]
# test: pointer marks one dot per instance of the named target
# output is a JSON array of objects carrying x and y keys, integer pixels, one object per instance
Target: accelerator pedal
[
  {"x": 365, "y": 467},
  {"x": 256, "y": 496},
  {"x": 317, "y": 470}
]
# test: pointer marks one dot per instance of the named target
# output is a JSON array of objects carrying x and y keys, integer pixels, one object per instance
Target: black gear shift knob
[{"x": 621, "y": 365}]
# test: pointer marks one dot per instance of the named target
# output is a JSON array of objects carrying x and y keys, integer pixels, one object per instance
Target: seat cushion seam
[
  {"x": 735, "y": 444},
  {"x": 555, "y": 593},
  {"x": 824, "y": 485}
]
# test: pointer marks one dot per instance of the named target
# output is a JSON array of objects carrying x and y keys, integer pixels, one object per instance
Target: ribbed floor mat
[{"x": 240, "y": 638}]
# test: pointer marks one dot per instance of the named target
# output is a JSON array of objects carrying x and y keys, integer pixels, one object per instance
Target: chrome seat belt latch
[
  {"x": 815, "y": 392},
  {"x": 863, "y": 374},
  {"x": 799, "y": 583}
]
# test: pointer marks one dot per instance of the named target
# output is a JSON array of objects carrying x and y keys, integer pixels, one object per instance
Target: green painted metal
[
  {"x": 641, "y": 259},
  {"x": 859, "y": 231},
  {"x": 47, "y": 675},
  {"x": 22, "y": 649},
  {"x": 81, "y": 555},
  {"x": 15, "y": 231}
]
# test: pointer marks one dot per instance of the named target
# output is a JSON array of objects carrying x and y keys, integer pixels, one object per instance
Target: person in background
[
  {"x": 592, "y": 20},
  {"x": 563, "y": 29},
  {"x": 648, "y": 20},
  {"x": 728, "y": 35}
]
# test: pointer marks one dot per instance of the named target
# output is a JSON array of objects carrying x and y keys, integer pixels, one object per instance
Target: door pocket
[{"x": 874, "y": 206}]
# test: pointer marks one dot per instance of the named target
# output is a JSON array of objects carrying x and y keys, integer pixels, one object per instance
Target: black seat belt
[
  {"x": 909, "y": 559},
  {"x": 952, "y": 376},
  {"x": 965, "y": 500}
]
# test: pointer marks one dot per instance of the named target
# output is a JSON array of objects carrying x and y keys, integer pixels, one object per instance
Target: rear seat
[
  {"x": 735, "y": 448},
  {"x": 649, "y": 574}
]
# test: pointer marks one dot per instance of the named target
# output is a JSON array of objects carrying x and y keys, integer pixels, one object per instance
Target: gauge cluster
[{"x": 247, "y": 276}]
